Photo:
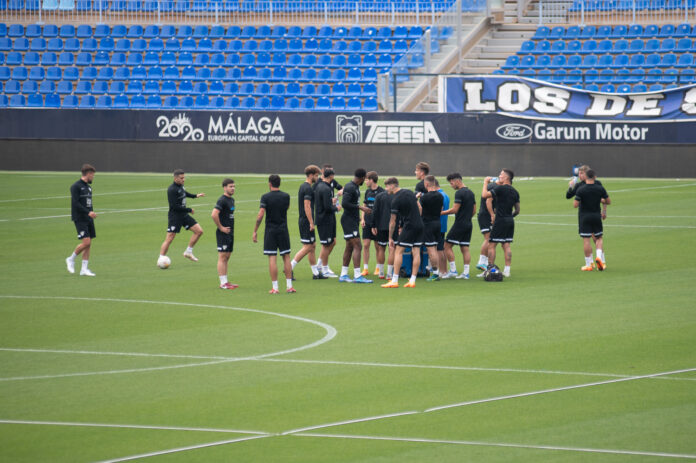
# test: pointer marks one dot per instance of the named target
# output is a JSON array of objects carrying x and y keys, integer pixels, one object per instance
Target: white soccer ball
[{"x": 164, "y": 262}]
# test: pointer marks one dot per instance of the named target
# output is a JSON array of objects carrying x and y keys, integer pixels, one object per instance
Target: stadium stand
[{"x": 118, "y": 66}]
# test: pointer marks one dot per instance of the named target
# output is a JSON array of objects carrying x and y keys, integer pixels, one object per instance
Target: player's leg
[
  {"x": 466, "y": 257},
  {"x": 366, "y": 254},
  {"x": 599, "y": 246},
  {"x": 380, "y": 258},
  {"x": 287, "y": 269},
  {"x": 167, "y": 242},
  {"x": 450, "y": 270},
  {"x": 273, "y": 271},
  {"x": 491, "y": 253},
  {"x": 398, "y": 253},
  {"x": 222, "y": 266},
  {"x": 416, "y": 261},
  {"x": 507, "y": 249},
  {"x": 483, "y": 254},
  {"x": 434, "y": 257},
  {"x": 587, "y": 250},
  {"x": 82, "y": 248},
  {"x": 197, "y": 232}
]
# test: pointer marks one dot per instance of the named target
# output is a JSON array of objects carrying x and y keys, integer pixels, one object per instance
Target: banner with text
[{"x": 533, "y": 99}]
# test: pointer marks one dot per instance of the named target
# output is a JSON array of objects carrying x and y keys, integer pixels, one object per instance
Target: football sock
[
  {"x": 293, "y": 263},
  {"x": 395, "y": 278},
  {"x": 356, "y": 273},
  {"x": 600, "y": 254},
  {"x": 466, "y": 269},
  {"x": 588, "y": 261},
  {"x": 319, "y": 263},
  {"x": 390, "y": 269},
  {"x": 380, "y": 268},
  {"x": 84, "y": 264},
  {"x": 288, "y": 283},
  {"x": 72, "y": 257},
  {"x": 453, "y": 267},
  {"x": 326, "y": 269},
  {"x": 344, "y": 271},
  {"x": 275, "y": 284},
  {"x": 189, "y": 250},
  {"x": 315, "y": 270},
  {"x": 434, "y": 272},
  {"x": 162, "y": 255},
  {"x": 506, "y": 269},
  {"x": 223, "y": 279},
  {"x": 413, "y": 279},
  {"x": 366, "y": 267}
]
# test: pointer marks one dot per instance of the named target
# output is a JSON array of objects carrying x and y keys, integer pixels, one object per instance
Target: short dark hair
[
  {"x": 372, "y": 175},
  {"x": 454, "y": 175},
  {"x": 590, "y": 173},
  {"x": 226, "y": 182},
  {"x": 178, "y": 172},
  {"x": 274, "y": 180},
  {"x": 328, "y": 172},
  {"x": 360, "y": 173},
  {"x": 87, "y": 168},
  {"x": 392, "y": 181},
  {"x": 311, "y": 170},
  {"x": 510, "y": 174},
  {"x": 430, "y": 179},
  {"x": 424, "y": 166}
]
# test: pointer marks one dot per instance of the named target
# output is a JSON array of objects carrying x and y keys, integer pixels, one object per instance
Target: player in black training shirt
[
  {"x": 373, "y": 189},
  {"x": 575, "y": 183},
  {"x": 506, "y": 199},
  {"x": 82, "y": 215},
  {"x": 460, "y": 234},
  {"x": 484, "y": 222},
  {"x": 431, "y": 204},
  {"x": 325, "y": 217},
  {"x": 179, "y": 215},
  {"x": 381, "y": 214},
  {"x": 422, "y": 169},
  {"x": 275, "y": 205},
  {"x": 350, "y": 222},
  {"x": 305, "y": 204},
  {"x": 405, "y": 205},
  {"x": 589, "y": 198},
  {"x": 223, "y": 216}
]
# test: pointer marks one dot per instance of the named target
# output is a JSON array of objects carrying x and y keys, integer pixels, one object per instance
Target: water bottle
[{"x": 494, "y": 180}]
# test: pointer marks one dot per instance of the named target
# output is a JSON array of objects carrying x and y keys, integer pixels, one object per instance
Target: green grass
[{"x": 218, "y": 366}]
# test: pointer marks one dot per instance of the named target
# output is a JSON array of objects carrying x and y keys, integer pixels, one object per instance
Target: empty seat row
[
  {"x": 606, "y": 46},
  {"x": 215, "y": 32},
  {"x": 683, "y": 60},
  {"x": 274, "y": 103},
  {"x": 620, "y": 31},
  {"x": 206, "y": 45},
  {"x": 621, "y": 76},
  {"x": 629, "y": 5}
]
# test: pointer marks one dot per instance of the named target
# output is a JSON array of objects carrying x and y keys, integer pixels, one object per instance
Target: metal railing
[
  {"x": 583, "y": 12},
  {"x": 227, "y": 12}
]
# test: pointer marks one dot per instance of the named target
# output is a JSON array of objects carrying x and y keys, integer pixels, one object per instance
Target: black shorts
[
  {"x": 176, "y": 222},
  {"x": 503, "y": 230},
  {"x": 590, "y": 224},
  {"x": 459, "y": 234},
  {"x": 225, "y": 241},
  {"x": 351, "y": 227},
  {"x": 368, "y": 235},
  {"x": 307, "y": 236},
  {"x": 382, "y": 237},
  {"x": 410, "y": 237},
  {"x": 441, "y": 241},
  {"x": 85, "y": 229},
  {"x": 431, "y": 233},
  {"x": 484, "y": 224},
  {"x": 276, "y": 241},
  {"x": 327, "y": 231}
]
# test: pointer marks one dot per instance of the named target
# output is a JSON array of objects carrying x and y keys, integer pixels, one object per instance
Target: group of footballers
[{"x": 393, "y": 218}]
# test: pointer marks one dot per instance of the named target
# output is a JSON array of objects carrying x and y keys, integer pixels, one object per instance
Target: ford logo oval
[{"x": 514, "y": 131}]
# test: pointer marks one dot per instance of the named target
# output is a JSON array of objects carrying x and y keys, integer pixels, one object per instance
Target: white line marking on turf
[
  {"x": 620, "y": 216},
  {"x": 613, "y": 225},
  {"x": 341, "y": 423},
  {"x": 131, "y": 426},
  {"x": 330, "y": 333},
  {"x": 499, "y": 444},
  {"x": 184, "y": 449},
  {"x": 653, "y": 188}
]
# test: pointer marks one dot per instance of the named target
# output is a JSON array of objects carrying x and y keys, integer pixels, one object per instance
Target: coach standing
[{"x": 83, "y": 216}]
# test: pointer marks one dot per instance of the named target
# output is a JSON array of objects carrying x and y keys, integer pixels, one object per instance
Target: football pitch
[{"x": 137, "y": 363}]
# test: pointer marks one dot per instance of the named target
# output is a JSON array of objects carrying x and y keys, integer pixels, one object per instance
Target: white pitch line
[
  {"x": 122, "y": 354},
  {"x": 613, "y": 225},
  {"x": 620, "y": 216},
  {"x": 342, "y": 423},
  {"x": 652, "y": 188},
  {"x": 500, "y": 444},
  {"x": 184, "y": 449},
  {"x": 131, "y": 426}
]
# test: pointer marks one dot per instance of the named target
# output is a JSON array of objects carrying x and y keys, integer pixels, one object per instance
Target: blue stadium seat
[
  {"x": 69, "y": 101},
  {"x": 153, "y": 102},
  {"x": 64, "y": 87},
  {"x": 67, "y": 31},
  {"x": 542, "y": 32},
  {"x": 87, "y": 102},
  {"x": 55, "y": 44},
  {"x": 307, "y": 104},
  {"x": 52, "y": 100},
  {"x": 667, "y": 30},
  {"x": 637, "y": 60},
  {"x": 14, "y": 58},
  {"x": 17, "y": 101},
  {"x": 104, "y": 102},
  {"x": 588, "y": 46},
  {"x": 686, "y": 60},
  {"x": 54, "y": 73},
  {"x": 651, "y": 30},
  {"x": 636, "y": 46},
  {"x": 682, "y": 30},
  {"x": 541, "y": 62},
  {"x": 620, "y": 46},
  {"x": 29, "y": 86},
  {"x": 667, "y": 45}
]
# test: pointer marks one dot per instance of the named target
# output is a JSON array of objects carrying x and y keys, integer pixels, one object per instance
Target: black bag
[{"x": 493, "y": 273}]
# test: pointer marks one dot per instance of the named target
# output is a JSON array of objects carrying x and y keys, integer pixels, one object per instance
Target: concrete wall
[{"x": 676, "y": 161}]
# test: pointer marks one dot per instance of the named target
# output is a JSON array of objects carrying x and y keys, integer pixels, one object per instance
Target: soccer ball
[{"x": 164, "y": 262}]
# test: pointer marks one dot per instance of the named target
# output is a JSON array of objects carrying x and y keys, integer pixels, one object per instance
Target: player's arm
[
  {"x": 485, "y": 193},
  {"x": 453, "y": 210},
  {"x": 75, "y": 199},
  {"x": 174, "y": 202},
  {"x": 392, "y": 227},
  {"x": 216, "y": 218},
  {"x": 576, "y": 203},
  {"x": 473, "y": 211},
  {"x": 308, "y": 213},
  {"x": 517, "y": 210},
  {"x": 605, "y": 202},
  {"x": 259, "y": 218},
  {"x": 489, "y": 206}
]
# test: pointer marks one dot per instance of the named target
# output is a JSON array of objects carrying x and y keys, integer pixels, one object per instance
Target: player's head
[
  {"x": 228, "y": 186},
  {"x": 371, "y": 178},
  {"x": 582, "y": 172},
  {"x": 88, "y": 171},
  {"x": 590, "y": 175},
  {"x": 431, "y": 183},
  {"x": 422, "y": 169},
  {"x": 455, "y": 180},
  {"x": 179, "y": 176},
  {"x": 360, "y": 175},
  {"x": 274, "y": 180},
  {"x": 328, "y": 174},
  {"x": 506, "y": 176},
  {"x": 391, "y": 185},
  {"x": 312, "y": 172}
]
